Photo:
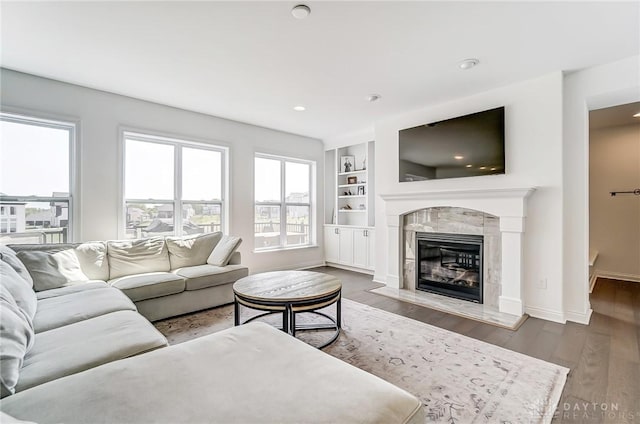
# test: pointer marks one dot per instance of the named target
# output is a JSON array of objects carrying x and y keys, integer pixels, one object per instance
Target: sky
[{"x": 33, "y": 160}]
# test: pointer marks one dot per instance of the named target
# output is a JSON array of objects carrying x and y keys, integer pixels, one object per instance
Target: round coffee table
[{"x": 290, "y": 293}]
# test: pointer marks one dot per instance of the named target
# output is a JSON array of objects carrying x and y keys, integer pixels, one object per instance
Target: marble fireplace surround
[{"x": 507, "y": 204}]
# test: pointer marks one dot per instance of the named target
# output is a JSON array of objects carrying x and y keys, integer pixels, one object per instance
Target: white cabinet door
[
  {"x": 360, "y": 248},
  {"x": 331, "y": 244},
  {"x": 371, "y": 249},
  {"x": 346, "y": 246}
]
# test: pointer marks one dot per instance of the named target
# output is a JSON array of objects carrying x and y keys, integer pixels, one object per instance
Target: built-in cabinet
[
  {"x": 349, "y": 206},
  {"x": 350, "y": 246}
]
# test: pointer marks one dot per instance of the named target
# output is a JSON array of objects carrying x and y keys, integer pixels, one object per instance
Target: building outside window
[
  {"x": 36, "y": 179},
  {"x": 164, "y": 175},
  {"x": 283, "y": 202}
]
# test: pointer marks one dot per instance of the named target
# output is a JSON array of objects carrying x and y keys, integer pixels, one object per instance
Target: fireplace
[{"x": 450, "y": 264}]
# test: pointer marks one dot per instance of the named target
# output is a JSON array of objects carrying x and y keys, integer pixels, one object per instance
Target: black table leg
[{"x": 236, "y": 312}]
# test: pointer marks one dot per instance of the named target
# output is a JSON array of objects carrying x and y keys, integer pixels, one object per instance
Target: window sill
[{"x": 280, "y": 249}]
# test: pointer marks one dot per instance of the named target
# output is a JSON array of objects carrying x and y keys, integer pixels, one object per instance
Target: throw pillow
[
  {"x": 9, "y": 256},
  {"x": 19, "y": 289},
  {"x": 53, "y": 270},
  {"x": 93, "y": 260},
  {"x": 191, "y": 250},
  {"x": 224, "y": 249},
  {"x": 128, "y": 257},
  {"x": 16, "y": 333}
]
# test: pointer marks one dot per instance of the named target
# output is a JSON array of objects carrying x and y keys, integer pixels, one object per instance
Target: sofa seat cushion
[
  {"x": 248, "y": 374},
  {"x": 149, "y": 285},
  {"x": 87, "y": 344},
  {"x": 202, "y": 276},
  {"x": 59, "y": 311},
  {"x": 89, "y": 285}
]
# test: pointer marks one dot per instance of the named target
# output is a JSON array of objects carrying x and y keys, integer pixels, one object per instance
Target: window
[
  {"x": 36, "y": 172},
  {"x": 283, "y": 193},
  {"x": 172, "y": 187}
]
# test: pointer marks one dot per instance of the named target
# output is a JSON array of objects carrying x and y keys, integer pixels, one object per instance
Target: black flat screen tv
[{"x": 466, "y": 146}]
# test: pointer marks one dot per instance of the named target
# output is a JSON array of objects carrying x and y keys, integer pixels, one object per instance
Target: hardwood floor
[{"x": 604, "y": 357}]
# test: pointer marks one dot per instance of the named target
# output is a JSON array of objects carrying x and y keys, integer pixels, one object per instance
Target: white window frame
[
  {"x": 72, "y": 127},
  {"x": 283, "y": 203},
  {"x": 178, "y": 144}
]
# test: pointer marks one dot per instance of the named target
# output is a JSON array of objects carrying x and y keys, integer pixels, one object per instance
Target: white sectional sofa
[
  {"x": 80, "y": 353},
  {"x": 163, "y": 276}
]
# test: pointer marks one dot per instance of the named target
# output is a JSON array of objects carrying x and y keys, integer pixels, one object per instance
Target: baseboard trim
[
  {"x": 579, "y": 317},
  {"x": 618, "y": 276},
  {"x": 377, "y": 278},
  {"x": 349, "y": 268},
  {"x": 545, "y": 313}
]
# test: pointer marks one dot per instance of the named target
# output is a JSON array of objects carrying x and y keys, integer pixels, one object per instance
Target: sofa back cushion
[
  {"x": 52, "y": 270},
  {"x": 9, "y": 256},
  {"x": 19, "y": 289},
  {"x": 93, "y": 260},
  {"x": 128, "y": 257},
  {"x": 221, "y": 254},
  {"x": 16, "y": 339},
  {"x": 191, "y": 250}
]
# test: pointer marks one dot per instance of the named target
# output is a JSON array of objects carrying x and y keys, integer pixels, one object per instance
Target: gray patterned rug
[{"x": 458, "y": 379}]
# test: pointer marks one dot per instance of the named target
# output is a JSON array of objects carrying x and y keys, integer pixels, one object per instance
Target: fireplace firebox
[{"x": 450, "y": 264}]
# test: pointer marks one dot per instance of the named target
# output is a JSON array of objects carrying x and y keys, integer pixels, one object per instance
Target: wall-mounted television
[{"x": 466, "y": 146}]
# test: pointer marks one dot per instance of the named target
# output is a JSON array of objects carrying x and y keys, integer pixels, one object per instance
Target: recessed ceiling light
[
  {"x": 493, "y": 169},
  {"x": 637, "y": 115},
  {"x": 373, "y": 97},
  {"x": 300, "y": 11},
  {"x": 458, "y": 157},
  {"x": 483, "y": 167},
  {"x": 299, "y": 108},
  {"x": 469, "y": 166},
  {"x": 468, "y": 63}
]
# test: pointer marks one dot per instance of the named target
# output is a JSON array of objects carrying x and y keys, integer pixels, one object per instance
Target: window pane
[
  {"x": 201, "y": 174},
  {"x": 34, "y": 160},
  {"x": 297, "y": 225},
  {"x": 267, "y": 180},
  {"x": 267, "y": 226},
  {"x": 149, "y": 219},
  {"x": 201, "y": 218},
  {"x": 35, "y": 222},
  {"x": 297, "y": 182},
  {"x": 148, "y": 170}
]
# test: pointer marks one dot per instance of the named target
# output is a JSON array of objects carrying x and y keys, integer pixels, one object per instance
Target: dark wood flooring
[{"x": 604, "y": 356}]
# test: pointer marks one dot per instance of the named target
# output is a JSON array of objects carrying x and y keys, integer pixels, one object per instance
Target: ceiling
[
  {"x": 253, "y": 62},
  {"x": 615, "y": 116}
]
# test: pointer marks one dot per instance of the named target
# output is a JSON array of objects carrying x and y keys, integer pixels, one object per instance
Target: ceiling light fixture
[
  {"x": 493, "y": 169},
  {"x": 469, "y": 166},
  {"x": 301, "y": 11},
  {"x": 468, "y": 63},
  {"x": 458, "y": 157},
  {"x": 637, "y": 115},
  {"x": 373, "y": 97},
  {"x": 483, "y": 167},
  {"x": 299, "y": 108}
]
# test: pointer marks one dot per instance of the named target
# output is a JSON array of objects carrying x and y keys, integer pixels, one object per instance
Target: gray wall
[{"x": 101, "y": 115}]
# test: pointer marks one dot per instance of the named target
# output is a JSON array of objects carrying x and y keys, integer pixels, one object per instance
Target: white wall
[
  {"x": 101, "y": 114},
  {"x": 614, "y": 222},
  {"x": 602, "y": 86},
  {"x": 533, "y": 123}
]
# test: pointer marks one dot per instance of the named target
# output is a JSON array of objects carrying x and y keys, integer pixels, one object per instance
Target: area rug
[{"x": 459, "y": 379}]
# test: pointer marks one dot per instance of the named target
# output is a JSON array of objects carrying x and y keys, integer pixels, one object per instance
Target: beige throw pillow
[
  {"x": 52, "y": 270},
  {"x": 224, "y": 249},
  {"x": 93, "y": 260},
  {"x": 191, "y": 250}
]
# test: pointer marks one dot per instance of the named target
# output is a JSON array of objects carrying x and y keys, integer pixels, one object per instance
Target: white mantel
[{"x": 509, "y": 204}]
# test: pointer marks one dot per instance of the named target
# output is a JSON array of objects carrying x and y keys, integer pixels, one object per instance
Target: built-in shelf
[
  {"x": 352, "y": 210},
  {"x": 350, "y": 196},
  {"x": 353, "y": 185},
  {"x": 358, "y": 171}
]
